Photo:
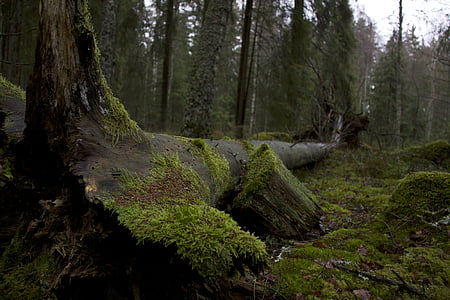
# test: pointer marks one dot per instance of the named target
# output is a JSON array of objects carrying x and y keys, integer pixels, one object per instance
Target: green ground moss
[
  {"x": 422, "y": 196},
  {"x": 8, "y": 89},
  {"x": 169, "y": 207},
  {"x": 354, "y": 189},
  {"x": 24, "y": 276}
]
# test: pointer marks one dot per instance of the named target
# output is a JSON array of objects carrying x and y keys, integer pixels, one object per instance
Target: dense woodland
[
  {"x": 300, "y": 67},
  {"x": 119, "y": 179}
]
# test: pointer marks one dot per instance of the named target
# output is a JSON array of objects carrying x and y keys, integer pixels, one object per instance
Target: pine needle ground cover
[{"x": 374, "y": 244}]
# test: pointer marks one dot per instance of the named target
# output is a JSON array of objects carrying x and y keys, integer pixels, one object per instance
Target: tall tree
[
  {"x": 365, "y": 53},
  {"x": 242, "y": 92},
  {"x": 197, "y": 117},
  {"x": 167, "y": 64},
  {"x": 398, "y": 71},
  {"x": 333, "y": 65},
  {"x": 107, "y": 37}
]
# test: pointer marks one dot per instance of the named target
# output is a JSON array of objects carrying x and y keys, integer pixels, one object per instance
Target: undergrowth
[{"x": 366, "y": 250}]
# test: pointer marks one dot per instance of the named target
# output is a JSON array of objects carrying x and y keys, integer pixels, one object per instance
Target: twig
[{"x": 379, "y": 278}]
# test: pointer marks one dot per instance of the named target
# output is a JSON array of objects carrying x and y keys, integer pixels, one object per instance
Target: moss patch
[
  {"x": 8, "y": 89},
  {"x": 354, "y": 189},
  {"x": 271, "y": 136},
  {"x": 434, "y": 154},
  {"x": 218, "y": 167},
  {"x": 169, "y": 207},
  {"x": 25, "y": 277},
  {"x": 260, "y": 169},
  {"x": 262, "y": 165},
  {"x": 422, "y": 196}
]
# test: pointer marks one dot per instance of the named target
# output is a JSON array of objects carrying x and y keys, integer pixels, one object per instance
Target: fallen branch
[{"x": 402, "y": 284}]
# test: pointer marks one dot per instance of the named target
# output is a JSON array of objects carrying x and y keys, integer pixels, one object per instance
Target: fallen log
[{"x": 105, "y": 195}]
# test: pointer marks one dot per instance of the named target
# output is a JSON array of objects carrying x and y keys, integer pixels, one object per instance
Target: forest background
[{"x": 294, "y": 66}]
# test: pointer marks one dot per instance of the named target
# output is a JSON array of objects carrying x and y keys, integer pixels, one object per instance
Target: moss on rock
[
  {"x": 169, "y": 207},
  {"x": 422, "y": 196}
]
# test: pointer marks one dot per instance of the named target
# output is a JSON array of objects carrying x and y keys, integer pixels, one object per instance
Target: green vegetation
[
  {"x": 260, "y": 168},
  {"x": 217, "y": 164},
  {"x": 262, "y": 165},
  {"x": 25, "y": 277},
  {"x": 271, "y": 136},
  {"x": 434, "y": 155},
  {"x": 422, "y": 196},
  {"x": 8, "y": 89},
  {"x": 367, "y": 247},
  {"x": 170, "y": 207}
]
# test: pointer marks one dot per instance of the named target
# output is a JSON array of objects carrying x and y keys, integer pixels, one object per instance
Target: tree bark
[
  {"x": 108, "y": 37},
  {"x": 242, "y": 91},
  {"x": 167, "y": 65},
  {"x": 197, "y": 118}
]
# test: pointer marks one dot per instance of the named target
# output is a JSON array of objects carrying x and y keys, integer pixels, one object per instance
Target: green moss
[
  {"x": 330, "y": 208},
  {"x": 271, "y": 136},
  {"x": 117, "y": 122},
  {"x": 437, "y": 153},
  {"x": 218, "y": 167},
  {"x": 422, "y": 196},
  {"x": 262, "y": 165},
  {"x": 260, "y": 168},
  {"x": 8, "y": 89},
  {"x": 247, "y": 146},
  {"x": 355, "y": 190},
  {"x": 24, "y": 277},
  {"x": 169, "y": 207}
]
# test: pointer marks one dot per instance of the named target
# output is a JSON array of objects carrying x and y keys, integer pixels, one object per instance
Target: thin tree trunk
[
  {"x": 430, "y": 103},
  {"x": 243, "y": 71},
  {"x": 399, "y": 87},
  {"x": 167, "y": 64}
]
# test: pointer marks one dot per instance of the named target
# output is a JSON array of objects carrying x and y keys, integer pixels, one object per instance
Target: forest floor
[{"x": 363, "y": 250}]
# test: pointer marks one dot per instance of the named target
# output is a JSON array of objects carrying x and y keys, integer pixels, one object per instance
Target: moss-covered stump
[
  {"x": 272, "y": 201},
  {"x": 423, "y": 196},
  {"x": 169, "y": 206}
]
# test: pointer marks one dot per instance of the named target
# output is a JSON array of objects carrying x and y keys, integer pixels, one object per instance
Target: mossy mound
[
  {"x": 169, "y": 207},
  {"x": 432, "y": 155},
  {"x": 422, "y": 196},
  {"x": 271, "y": 136}
]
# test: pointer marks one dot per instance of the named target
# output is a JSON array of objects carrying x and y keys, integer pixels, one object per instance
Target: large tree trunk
[
  {"x": 109, "y": 206},
  {"x": 197, "y": 118}
]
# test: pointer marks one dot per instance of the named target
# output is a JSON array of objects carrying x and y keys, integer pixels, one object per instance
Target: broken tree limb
[{"x": 401, "y": 284}]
